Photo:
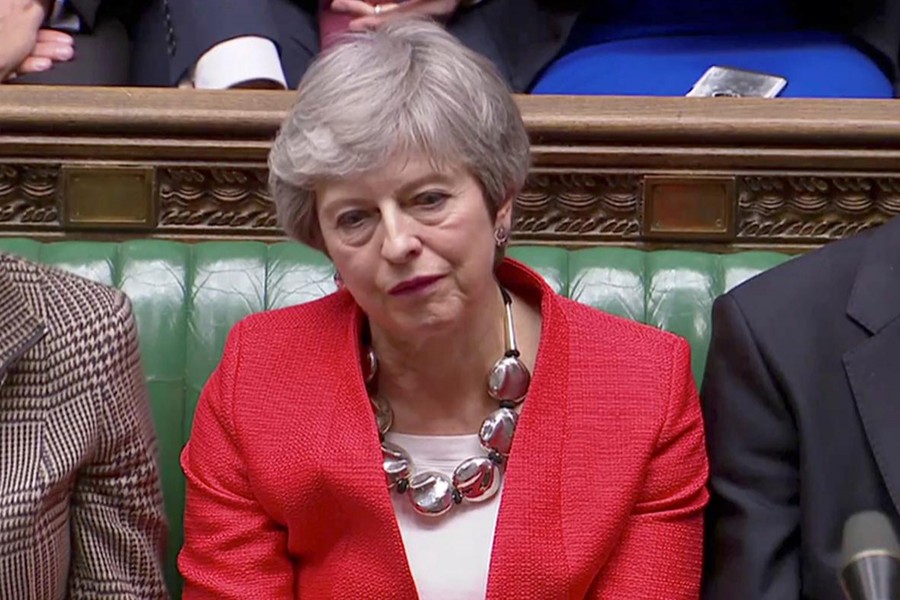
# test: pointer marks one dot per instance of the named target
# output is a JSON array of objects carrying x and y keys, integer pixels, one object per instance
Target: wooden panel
[
  {"x": 720, "y": 173},
  {"x": 101, "y": 197},
  {"x": 697, "y": 208}
]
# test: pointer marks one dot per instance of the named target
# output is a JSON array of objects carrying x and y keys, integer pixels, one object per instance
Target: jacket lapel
[
  {"x": 364, "y": 497},
  {"x": 528, "y": 558},
  {"x": 20, "y": 327},
  {"x": 873, "y": 367}
]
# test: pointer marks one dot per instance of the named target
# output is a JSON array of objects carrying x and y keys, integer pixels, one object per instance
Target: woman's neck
[{"x": 438, "y": 384}]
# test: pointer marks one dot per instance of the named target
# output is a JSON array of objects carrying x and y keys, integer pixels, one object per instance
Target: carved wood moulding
[
  {"x": 563, "y": 208},
  {"x": 813, "y": 208},
  {"x": 28, "y": 196},
  {"x": 216, "y": 200},
  {"x": 579, "y": 208}
]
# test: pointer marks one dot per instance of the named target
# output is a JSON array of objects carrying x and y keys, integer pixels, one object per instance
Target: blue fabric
[
  {"x": 816, "y": 65},
  {"x": 611, "y": 20}
]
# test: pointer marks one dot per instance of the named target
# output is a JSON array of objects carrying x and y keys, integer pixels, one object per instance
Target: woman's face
[{"x": 414, "y": 246}]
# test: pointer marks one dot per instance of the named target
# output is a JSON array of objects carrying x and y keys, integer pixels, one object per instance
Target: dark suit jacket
[
  {"x": 874, "y": 24},
  {"x": 87, "y": 10},
  {"x": 520, "y": 36},
  {"x": 802, "y": 406}
]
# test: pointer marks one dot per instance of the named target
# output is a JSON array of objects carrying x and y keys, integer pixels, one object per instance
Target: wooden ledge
[{"x": 559, "y": 119}]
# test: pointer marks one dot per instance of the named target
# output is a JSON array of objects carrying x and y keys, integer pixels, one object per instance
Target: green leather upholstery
[{"x": 187, "y": 297}]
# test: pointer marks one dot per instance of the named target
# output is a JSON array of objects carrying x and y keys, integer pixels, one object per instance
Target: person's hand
[
  {"x": 50, "y": 47},
  {"x": 366, "y": 17},
  {"x": 20, "y": 21}
]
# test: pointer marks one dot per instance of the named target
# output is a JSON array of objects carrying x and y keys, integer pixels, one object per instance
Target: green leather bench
[{"x": 187, "y": 297}]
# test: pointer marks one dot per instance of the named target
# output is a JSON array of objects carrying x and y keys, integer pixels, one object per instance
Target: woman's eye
[
  {"x": 351, "y": 219},
  {"x": 431, "y": 199}
]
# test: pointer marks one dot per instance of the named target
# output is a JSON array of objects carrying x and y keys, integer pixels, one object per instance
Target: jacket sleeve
[
  {"x": 118, "y": 520},
  {"x": 660, "y": 553},
  {"x": 195, "y": 26},
  {"x": 752, "y": 547},
  {"x": 232, "y": 548}
]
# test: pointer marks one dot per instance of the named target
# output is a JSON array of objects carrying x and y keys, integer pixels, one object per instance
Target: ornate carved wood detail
[
  {"x": 28, "y": 196},
  {"x": 579, "y": 207},
  {"x": 553, "y": 206},
  {"x": 567, "y": 208},
  {"x": 216, "y": 200},
  {"x": 812, "y": 208}
]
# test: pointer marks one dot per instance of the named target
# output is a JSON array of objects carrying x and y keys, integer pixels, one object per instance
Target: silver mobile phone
[{"x": 726, "y": 81}]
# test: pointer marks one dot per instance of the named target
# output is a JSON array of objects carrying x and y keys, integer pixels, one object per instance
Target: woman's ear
[{"x": 503, "y": 220}]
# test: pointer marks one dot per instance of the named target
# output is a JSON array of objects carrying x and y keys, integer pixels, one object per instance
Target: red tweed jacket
[{"x": 604, "y": 489}]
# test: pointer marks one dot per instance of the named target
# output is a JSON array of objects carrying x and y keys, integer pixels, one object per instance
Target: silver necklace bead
[
  {"x": 477, "y": 478},
  {"x": 498, "y": 429},
  {"x": 509, "y": 380},
  {"x": 397, "y": 463},
  {"x": 431, "y": 493},
  {"x": 384, "y": 416},
  {"x": 370, "y": 366}
]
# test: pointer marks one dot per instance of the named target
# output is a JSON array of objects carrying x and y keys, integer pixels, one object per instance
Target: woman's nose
[{"x": 401, "y": 240}]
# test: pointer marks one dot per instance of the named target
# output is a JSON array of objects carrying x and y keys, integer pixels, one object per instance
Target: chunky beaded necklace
[{"x": 477, "y": 478}]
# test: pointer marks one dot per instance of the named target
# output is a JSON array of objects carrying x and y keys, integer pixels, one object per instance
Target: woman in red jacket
[{"x": 444, "y": 425}]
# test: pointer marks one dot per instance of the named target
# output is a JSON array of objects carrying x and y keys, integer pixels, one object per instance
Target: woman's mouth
[{"x": 414, "y": 285}]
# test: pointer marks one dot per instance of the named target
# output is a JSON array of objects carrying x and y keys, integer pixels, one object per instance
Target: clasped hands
[
  {"x": 24, "y": 46},
  {"x": 366, "y": 16}
]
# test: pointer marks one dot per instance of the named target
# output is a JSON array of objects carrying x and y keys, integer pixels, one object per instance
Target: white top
[{"x": 449, "y": 556}]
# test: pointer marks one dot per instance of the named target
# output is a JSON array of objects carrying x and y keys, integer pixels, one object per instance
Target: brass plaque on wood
[
  {"x": 107, "y": 197},
  {"x": 689, "y": 207}
]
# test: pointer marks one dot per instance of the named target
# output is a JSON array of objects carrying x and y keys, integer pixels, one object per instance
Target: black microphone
[{"x": 870, "y": 558}]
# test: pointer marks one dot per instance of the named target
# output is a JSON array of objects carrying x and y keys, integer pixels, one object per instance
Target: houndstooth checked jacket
[{"x": 81, "y": 512}]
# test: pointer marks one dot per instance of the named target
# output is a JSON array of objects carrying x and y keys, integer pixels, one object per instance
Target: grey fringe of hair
[{"x": 408, "y": 88}]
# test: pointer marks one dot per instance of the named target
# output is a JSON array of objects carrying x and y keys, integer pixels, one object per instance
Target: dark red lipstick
[{"x": 414, "y": 284}]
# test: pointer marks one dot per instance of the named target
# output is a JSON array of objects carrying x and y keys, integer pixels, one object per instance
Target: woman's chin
[{"x": 424, "y": 323}]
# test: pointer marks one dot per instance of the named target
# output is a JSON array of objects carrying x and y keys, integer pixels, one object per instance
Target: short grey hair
[{"x": 408, "y": 87}]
